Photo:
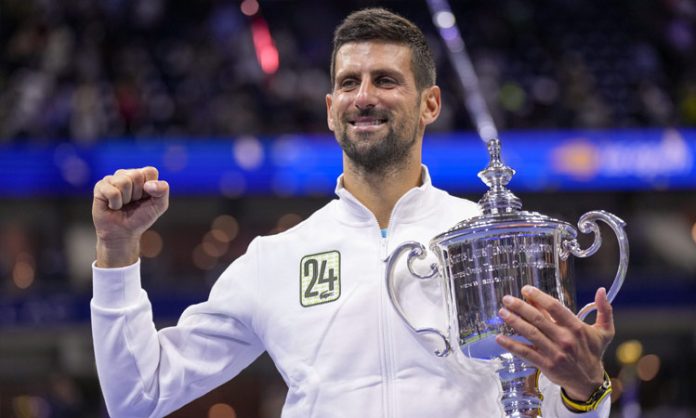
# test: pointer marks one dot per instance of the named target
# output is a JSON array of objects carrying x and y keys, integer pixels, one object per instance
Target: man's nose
[{"x": 366, "y": 96}]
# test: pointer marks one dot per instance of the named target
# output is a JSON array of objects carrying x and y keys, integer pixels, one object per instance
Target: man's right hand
[{"x": 125, "y": 205}]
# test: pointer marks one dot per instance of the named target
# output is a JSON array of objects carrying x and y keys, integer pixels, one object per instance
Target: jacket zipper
[{"x": 387, "y": 354}]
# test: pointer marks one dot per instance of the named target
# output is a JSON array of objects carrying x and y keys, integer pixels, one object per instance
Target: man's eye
[
  {"x": 348, "y": 83},
  {"x": 385, "y": 81}
]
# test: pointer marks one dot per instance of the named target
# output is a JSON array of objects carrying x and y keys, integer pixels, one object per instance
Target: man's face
[{"x": 375, "y": 110}]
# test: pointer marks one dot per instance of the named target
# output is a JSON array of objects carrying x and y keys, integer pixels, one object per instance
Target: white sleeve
[
  {"x": 552, "y": 404},
  {"x": 146, "y": 373}
]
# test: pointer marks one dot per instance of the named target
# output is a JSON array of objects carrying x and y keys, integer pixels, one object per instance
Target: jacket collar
[{"x": 412, "y": 206}]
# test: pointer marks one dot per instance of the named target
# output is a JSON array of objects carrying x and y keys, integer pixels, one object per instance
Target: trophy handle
[
  {"x": 587, "y": 224},
  {"x": 417, "y": 250}
]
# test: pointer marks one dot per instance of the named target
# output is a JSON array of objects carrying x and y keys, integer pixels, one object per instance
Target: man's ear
[
  {"x": 329, "y": 116},
  {"x": 431, "y": 104}
]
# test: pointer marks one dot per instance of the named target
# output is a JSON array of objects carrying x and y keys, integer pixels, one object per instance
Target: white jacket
[{"x": 345, "y": 353}]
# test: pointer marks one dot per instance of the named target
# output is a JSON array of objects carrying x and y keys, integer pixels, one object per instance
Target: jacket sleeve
[
  {"x": 146, "y": 373},
  {"x": 552, "y": 405}
]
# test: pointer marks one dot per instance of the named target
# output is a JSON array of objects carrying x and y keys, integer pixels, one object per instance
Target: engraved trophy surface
[{"x": 484, "y": 258}]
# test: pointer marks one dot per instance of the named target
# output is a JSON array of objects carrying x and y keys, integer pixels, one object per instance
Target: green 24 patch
[{"x": 320, "y": 278}]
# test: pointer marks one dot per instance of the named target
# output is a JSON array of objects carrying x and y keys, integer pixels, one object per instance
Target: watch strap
[{"x": 593, "y": 401}]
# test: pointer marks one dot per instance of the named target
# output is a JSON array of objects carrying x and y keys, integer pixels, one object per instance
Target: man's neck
[{"x": 380, "y": 191}]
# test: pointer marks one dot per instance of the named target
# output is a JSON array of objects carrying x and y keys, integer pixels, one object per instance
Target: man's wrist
[
  {"x": 583, "y": 390},
  {"x": 591, "y": 402},
  {"x": 119, "y": 253}
]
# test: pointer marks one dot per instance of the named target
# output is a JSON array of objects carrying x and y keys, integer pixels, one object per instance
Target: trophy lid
[
  {"x": 498, "y": 199},
  {"x": 501, "y": 209}
]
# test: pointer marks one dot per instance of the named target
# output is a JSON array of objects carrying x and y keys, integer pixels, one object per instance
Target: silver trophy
[{"x": 484, "y": 258}]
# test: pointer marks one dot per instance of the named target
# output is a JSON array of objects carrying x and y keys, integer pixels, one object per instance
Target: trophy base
[{"x": 521, "y": 397}]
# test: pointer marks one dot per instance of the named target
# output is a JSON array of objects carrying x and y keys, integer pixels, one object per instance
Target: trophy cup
[{"x": 484, "y": 258}]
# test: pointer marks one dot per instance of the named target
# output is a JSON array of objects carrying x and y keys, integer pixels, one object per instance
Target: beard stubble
[{"x": 378, "y": 156}]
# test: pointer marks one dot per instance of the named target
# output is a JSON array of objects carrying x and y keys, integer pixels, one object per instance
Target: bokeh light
[
  {"x": 225, "y": 228},
  {"x": 248, "y": 153},
  {"x": 628, "y": 352},
  {"x": 219, "y": 235},
  {"x": 214, "y": 247},
  {"x": 23, "y": 274},
  {"x": 444, "y": 19},
  {"x": 151, "y": 244},
  {"x": 27, "y": 406},
  {"x": 287, "y": 221},
  {"x": 266, "y": 51},
  {"x": 201, "y": 259},
  {"x": 648, "y": 367},
  {"x": 249, "y": 7},
  {"x": 512, "y": 96}
]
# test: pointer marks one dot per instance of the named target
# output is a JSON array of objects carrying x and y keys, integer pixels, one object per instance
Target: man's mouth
[{"x": 367, "y": 122}]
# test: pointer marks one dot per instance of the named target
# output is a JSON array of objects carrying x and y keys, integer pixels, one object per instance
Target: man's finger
[
  {"x": 538, "y": 333},
  {"x": 535, "y": 316},
  {"x": 562, "y": 315},
  {"x": 521, "y": 350},
  {"x": 124, "y": 184},
  {"x": 156, "y": 188},
  {"x": 150, "y": 173},
  {"x": 106, "y": 192},
  {"x": 605, "y": 313},
  {"x": 137, "y": 177}
]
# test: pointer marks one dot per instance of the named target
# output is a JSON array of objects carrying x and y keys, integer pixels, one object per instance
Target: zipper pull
[{"x": 384, "y": 255}]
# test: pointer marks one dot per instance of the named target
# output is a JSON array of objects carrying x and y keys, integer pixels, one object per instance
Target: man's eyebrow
[
  {"x": 392, "y": 72},
  {"x": 347, "y": 73},
  {"x": 389, "y": 72}
]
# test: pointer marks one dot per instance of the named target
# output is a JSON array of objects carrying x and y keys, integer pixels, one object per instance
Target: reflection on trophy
[{"x": 484, "y": 258}]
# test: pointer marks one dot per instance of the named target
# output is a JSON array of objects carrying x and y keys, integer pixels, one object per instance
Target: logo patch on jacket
[{"x": 320, "y": 278}]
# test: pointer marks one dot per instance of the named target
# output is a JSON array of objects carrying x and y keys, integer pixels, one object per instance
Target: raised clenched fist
[{"x": 125, "y": 205}]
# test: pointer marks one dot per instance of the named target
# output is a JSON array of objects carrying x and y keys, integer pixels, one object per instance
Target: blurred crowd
[{"x": 83, "y": 70}]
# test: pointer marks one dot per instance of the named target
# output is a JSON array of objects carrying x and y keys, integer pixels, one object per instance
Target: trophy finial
[
  {"x": 494, "y": 151},
  {"x": 498, "y": 199}
]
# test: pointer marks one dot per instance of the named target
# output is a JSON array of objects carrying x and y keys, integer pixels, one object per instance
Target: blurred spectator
[{"x": 92, "y": 69}]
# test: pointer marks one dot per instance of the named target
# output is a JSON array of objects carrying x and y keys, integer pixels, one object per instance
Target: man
[{"x": 340, "y": 346}]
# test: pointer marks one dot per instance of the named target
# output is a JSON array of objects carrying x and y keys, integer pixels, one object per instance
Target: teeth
[{"x": 369, "y": 123}]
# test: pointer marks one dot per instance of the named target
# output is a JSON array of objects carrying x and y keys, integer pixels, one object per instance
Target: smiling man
[
  {"x": 340, "y": 346},
  {"x": 375, "y": 107},
  {"x": 378, "y": 111}
]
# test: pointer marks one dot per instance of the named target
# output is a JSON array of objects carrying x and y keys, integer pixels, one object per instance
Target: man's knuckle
[
  {"x": 556, "y": 308},
  {"x": 112, "y": 193},
  {"x": 123, "y": 181},
  {"x": 567, "y": 345},
  {"x": 523, "y": 350},
  {"x": 577, "y": 330},
  {"x": 559, "y": 358},
  {"x": 534, "y": 334},
  {"x": 98, "y": 186},
  {"x": 538, "y": 319}
]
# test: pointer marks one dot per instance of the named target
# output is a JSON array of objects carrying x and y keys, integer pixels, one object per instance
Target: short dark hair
[{"x": 377, "y": 24}]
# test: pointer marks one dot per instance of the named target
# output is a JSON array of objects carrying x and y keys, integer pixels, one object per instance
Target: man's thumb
[
  {"x": 605, "y": 316},
  {"x": 156, "y": 188}
]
